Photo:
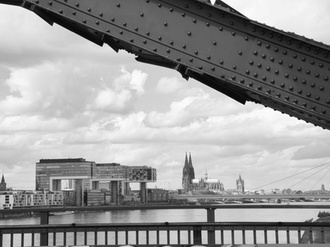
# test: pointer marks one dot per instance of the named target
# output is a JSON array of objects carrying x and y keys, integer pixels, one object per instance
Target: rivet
[
  {"x": 287, "y": 97},
  {"x": 196, "y": 52},
  {"x": 234, "y": 67},
  {"x": 207, "y": 24},
  {"x": 272, "y": 81},
  {"x": 159, "y": 5},
  {"x": 276, "y": 72},
  {"x": 326, "y": 78},
  {"x": 213, "y": 68},
  {"x": 189, "y": 33},
  {"x": 268, "y": 68},
  {"x": 255, "y": 74},
  {"x": 84, "y": 21},
  {"x": 324, "y": 111},
  {"x": 268, "y": 46},
  {"x": 200, "y": 67},
  {"x": 286, "y": 75},
  {"x": 147, "y": 33},
  {"x": 280, "y": 61},
  {"x": 214, "y": 43},
  {"x": 247, "y": 72},
  {"x": 246, "y": 38},
  {"x": 322, "y": 88},
  {"x": 295, "y": 78},
  {"x": 77, "y": 4},
  {"x": 295, "y": 101},
  {"x": 183, "y": 14},
  {"x": 178, "y": 59},
  {"x": 313, "y": 108},
  {"x": 291, "y": 88},
  {"x": 61, "y": 11},
  {"x": 263, "y": 56},
  {"x": 191, "y": 60},
  {"x": 294, "y": 56},
  {"x": 259, "y": 42},
  {"x": 168, "y": 51},
  {"x": 304, "y": 81},
  {"x": 299, "y": 69},
  {"x": 290, "y": 65},
  {"x": 165, "y": 24},
  {"x": 233, "y": 77},
  {"x": 112, "y": 19},
  {"x": 250, "y": 84},
  {"x": 233, "y": 33},
  {"x": 255, "y": 53},
  {"x": 328, "y": 101},
  {"x": 285, "y": 52},
  {"x": 282, "y": 85},
  {"x": 308, "y": 72},
  {"x": 74, "y": 12},
  {"x": 321, "y": 65},
  {"x": 141, "y": 14},
  {"x": 221, "y": 62},
  {"x": 194, "y": 20},
  {"x": 264, "y": 78},
  {"x": 118, "y": 5},
  {"x": 144, "y": 41},
  {"x": 89, "y": 9},
  {"x": 184, "y": 46},
  {"x": 124, "y": 24},
  {"x": 50, "y": 3},
  {"x": 313, "y": 84},
  {"x": 312, "y": 62},
  {"x": 317, "y": 97},
  {"x": 97, "y": 23},
  {"x": 308, "y": 94},
  {"x": 317, "y": 75},
  {"x": 136, "y": 29},
  {"x": 155, "y": 49},
  {"x": 259, "y": 88},
  {"x": 208, "y": 57},
  {"x": 272, "y": 59},
  {"x": 108, "y": 30},
  {"x": 259, "y": 65},
  {"x": 304, "y": 104},
  {"x": 278, "y": 95},
  {"x": 251, "y": 62},
  {"x": 171, "y": 9},
  {"x": 276, "y": 49},
  {"x": 171, "y": 42},
  {"x": 242, "y": 81},
  {"x": 268, "y": 91},
  {"x": 303, "y": 59},
  {"x": 121, "y": 32},
  {"x": 159, "y": 37},
  {"x": 132, "y": 40},
  {"x": 221, "y": 29}
]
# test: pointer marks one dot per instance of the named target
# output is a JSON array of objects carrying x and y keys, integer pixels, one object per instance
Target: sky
[{"x": 62, "y": 96}]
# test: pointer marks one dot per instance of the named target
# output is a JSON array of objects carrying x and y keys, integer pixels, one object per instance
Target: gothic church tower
[{"x": 188, "y": 174}]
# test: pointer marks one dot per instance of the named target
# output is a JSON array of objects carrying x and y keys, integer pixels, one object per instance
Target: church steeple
[
  {"x": 3, "y": 185},
  {"x": 188, "y": 174}
]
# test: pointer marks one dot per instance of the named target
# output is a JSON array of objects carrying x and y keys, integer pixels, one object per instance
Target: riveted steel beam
[{"x": 216, "y": 45}]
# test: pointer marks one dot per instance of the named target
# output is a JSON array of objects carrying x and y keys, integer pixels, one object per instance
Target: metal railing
[{"x": 208, "y": 233}]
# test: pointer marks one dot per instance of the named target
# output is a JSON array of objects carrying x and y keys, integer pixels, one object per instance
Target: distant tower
[
  {"x": 240, "y": 184},
  {"x": 3, "y": 185},
  {"x": 188, "y": 174},
  {"x": 322, "y": 187}
]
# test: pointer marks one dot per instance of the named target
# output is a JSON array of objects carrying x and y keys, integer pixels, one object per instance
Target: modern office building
[{"x": 79, "y": 175}]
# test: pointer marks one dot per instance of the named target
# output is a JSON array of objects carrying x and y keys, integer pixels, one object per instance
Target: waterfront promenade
[{"x": 207, "y": 231}]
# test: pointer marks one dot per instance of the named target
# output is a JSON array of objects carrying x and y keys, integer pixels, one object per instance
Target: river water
[{"x": 176, "y": 215}]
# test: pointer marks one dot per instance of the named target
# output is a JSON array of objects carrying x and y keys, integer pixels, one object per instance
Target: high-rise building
[
  {"x": 240, "y": 184},
  {"x": 188, "y": 174}
]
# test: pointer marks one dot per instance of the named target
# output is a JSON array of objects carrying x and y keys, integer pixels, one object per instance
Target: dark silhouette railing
[{"x": 208, "y": 233}]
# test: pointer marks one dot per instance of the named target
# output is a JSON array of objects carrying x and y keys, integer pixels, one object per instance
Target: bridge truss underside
[{"x": 215, "y": 45}]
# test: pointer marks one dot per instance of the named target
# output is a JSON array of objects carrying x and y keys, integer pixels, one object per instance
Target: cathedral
[
  {"x": 188, "y": 174},
  {"x": 3, "y": 184}
]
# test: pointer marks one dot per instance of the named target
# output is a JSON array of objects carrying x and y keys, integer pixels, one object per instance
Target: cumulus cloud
[{"x": 168, "y": 85}]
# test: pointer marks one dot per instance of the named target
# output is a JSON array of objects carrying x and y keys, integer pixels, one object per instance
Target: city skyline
[{"x": 62, "y": 96}]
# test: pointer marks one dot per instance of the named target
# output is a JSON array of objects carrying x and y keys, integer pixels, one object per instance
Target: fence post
[
  {"x": 211, "y": 233},
  {"x": 197, "y": 230},
  {"x": 44, "y": 220}
]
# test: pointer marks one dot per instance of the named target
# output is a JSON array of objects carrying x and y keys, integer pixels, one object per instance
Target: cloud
[{"x": 168, "y": 85}]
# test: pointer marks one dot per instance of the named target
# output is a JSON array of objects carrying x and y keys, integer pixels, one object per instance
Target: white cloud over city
[{"x": 64, "y": 97}]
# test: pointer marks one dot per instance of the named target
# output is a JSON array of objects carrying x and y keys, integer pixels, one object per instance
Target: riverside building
[{"x": 77, "y": 176}]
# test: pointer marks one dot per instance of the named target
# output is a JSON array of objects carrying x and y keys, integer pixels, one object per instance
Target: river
[{"x": 176, "y": 215}]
